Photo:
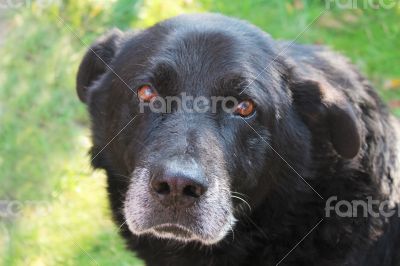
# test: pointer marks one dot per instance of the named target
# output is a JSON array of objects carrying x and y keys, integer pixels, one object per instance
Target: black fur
[{"x": 313, "y": 108}]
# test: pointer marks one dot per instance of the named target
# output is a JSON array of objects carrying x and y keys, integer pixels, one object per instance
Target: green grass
[{"x": 63, "y": 217}]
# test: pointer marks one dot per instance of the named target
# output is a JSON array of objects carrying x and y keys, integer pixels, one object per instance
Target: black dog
[{"x": 245, "y": 180}]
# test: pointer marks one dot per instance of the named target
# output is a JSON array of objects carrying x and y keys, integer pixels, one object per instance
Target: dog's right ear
[{"x": 96, "y": 61}]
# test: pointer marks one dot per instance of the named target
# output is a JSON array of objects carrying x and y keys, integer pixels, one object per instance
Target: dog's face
[{"x": 189, "y": 114}]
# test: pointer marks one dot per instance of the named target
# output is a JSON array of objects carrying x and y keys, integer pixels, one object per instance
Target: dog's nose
[{"x": 178, "y": 184}]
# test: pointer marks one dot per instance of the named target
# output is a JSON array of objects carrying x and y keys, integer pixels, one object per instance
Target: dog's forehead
[
  {"x": 202, "y": 58},
  {"x": 203, "y": 52}
]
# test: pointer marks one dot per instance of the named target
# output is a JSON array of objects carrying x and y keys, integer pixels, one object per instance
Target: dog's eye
[
  {"x": 146, "y": 93},
  {"x": 245, "y": 108}
]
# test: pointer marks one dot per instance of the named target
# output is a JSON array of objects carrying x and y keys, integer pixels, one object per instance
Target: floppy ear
[
  {"x": 96, "y": 61},
  {"x": 322, "y": 105}
]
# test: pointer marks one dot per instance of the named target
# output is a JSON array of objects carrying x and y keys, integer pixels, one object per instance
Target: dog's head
[{"x": 201, "y": 118}]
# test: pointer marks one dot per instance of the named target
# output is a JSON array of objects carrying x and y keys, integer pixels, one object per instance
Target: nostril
[
  {"x": 161, "y": 188},
  {"x": 178, "y": 183},
  {"x": 192, "y": 191}
]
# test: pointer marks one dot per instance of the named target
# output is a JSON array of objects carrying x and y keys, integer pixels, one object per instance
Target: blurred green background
[{"x": 53, "y": 208}]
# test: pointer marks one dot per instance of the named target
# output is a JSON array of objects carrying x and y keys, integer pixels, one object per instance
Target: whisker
[
  {"x": 119, "y": 228},
  {"x": 123, "y": 177},
  {"x": 239, "y": 198}
]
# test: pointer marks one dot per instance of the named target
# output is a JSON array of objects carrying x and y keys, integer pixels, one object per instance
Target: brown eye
[
  {"x": 245, "y": 108},
  {"x": 146, "y": 93}
]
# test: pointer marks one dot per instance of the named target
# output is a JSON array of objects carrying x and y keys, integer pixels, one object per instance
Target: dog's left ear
[
  {"x": 321, "y": 105},
  {"x": 96, "y": 61}
]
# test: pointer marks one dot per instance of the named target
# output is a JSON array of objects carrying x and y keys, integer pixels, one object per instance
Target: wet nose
[{"x": 178, "y": 183}]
